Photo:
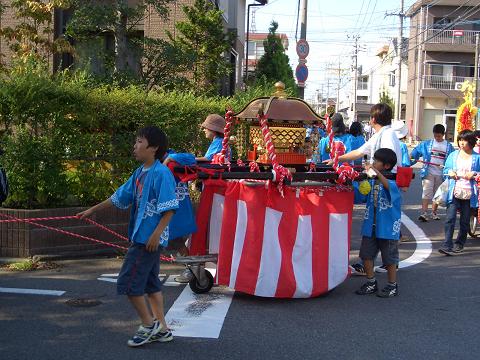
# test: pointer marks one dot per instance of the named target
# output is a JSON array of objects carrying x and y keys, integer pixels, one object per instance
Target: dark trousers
[{"x": 464, "y": 207}]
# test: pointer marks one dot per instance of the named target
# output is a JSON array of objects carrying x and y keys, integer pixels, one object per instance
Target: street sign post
[
  {"x": 301, "y": 74},
  {"x": 303, "y": 49}
]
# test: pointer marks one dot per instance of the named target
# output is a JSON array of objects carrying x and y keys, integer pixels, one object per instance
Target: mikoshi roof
[{"x": 280, "y": 109}]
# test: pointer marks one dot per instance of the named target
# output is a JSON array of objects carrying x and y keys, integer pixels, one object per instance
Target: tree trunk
[{"x": 121, "y": 42}]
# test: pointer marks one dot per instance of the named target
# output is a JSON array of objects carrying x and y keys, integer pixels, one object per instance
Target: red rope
[
  {"x": 34, "y": 221},
  {"x": 280, "y": 173},
  {"x": 222, "y": 158}
]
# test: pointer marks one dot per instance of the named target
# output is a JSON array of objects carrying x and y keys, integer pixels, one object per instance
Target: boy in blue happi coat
[
  {"x": 150, "y": 194},
  {"x": 381, "y": 225}
]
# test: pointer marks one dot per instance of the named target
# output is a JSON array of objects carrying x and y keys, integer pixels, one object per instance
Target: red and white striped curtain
[{"x": 273, "y": 246}]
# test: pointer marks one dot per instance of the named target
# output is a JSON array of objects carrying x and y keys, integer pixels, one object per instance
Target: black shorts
[
  {"x": 388, "y": 248},
  {"x": 139, "y": 273}
]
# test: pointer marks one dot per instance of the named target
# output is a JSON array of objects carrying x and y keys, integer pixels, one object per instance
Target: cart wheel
[
  {"x": 198, "y": 288},
  {"x": 473, "y": 223}
]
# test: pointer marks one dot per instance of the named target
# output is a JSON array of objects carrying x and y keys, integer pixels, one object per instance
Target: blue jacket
[
  {"x": 451, "y": 164},
  {"x": 424, "y": 151},
  {"x": 183, "y": 221},
  {"x": 388, "y": 211},
  {"x": 405, "y": 157},
  {"x": 355, "y": 143},
  {"x": 158, "y": 197},
  {"x": 323, "y": 143}
]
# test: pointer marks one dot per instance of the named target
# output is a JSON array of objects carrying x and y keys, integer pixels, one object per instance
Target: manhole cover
[{"x": 83, "y": 302}]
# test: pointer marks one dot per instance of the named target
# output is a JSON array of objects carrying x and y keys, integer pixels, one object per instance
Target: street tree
[
  {"x": 204, "y": 45},
  {"x": 385, "y": 98},
  {"x": 92, "y": 18},
  {"x": 274, "y": 65}
]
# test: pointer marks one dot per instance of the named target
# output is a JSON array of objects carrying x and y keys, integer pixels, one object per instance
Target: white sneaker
[
  {"x": 434, "y": 216},
  {"x": 144, "y": 334}
]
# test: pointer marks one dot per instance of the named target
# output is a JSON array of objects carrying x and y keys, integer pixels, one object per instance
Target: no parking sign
[{"x": 301, "y": 73}]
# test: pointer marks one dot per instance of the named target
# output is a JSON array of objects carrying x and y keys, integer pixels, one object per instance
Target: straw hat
[
  {"x": 400, "y": 129},
  {"x": 215, "y": 123}
]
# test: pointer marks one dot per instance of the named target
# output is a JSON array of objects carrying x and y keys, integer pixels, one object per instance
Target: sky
[{"x": 331, "y": 26}]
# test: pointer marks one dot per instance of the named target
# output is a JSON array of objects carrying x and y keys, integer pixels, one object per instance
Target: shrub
[{"x": 68, "y": 141}]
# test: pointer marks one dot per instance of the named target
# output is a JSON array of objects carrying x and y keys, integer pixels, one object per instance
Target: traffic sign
[
  {"x": 301, "y": 73},
  {"x": 302, "y": 48}
]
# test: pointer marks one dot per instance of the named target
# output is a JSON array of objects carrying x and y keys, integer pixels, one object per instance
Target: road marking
[
  {"x": 199, "y": 315},
  {"x": 116, "y": 274},
  {"x": 170, "y": 281},
  {"x": 424, "y": 244},
  {"x": 31, "y": 291}
]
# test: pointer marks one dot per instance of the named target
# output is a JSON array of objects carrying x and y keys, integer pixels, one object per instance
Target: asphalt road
[{"x": 436, "y": 315}]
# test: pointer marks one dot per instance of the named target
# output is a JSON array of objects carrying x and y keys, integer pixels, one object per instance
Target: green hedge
[{"x": 68, "y": 141}]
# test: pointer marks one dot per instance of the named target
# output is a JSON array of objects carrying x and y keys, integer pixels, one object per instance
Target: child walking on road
[
  {"x": 381, "y": 226},
  {"x": 460, "y": 167},
  {"x": 150, "y": 192},
  {"x": 433, "y": 153}
]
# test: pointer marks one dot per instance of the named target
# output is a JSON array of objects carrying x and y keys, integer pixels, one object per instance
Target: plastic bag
[{"x": 441, "y": 194}]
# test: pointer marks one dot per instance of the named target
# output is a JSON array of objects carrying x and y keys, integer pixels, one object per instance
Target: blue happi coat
[
  {"x": 158, "y": 196},
  {"x": 388, "y": 211},
  {"x": 323, "y": 144},
  {"x": 183, "y": 222},
  {"x": 424, "y": 151},
  {"x": 451, "y": 164},
  {"x": 405, "y": 157}
]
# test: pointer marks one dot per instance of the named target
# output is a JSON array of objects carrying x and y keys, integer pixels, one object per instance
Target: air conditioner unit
[{"x": 458, "y": 85}]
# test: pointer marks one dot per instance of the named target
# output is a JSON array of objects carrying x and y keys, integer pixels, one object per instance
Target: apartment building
[
  {"x": 234, "y": 12},
  {"x": 441, "y": 57},
  {"x": 379, "y": 79}
]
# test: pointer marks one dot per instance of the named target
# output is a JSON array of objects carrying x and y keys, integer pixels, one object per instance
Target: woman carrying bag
[{"x": 461, "y": 167}]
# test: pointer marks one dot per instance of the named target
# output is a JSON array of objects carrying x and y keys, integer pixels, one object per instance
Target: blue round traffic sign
[{"x": 301, "y": 73}]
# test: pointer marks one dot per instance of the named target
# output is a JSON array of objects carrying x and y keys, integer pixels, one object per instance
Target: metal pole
[
  {"x": 247, "y": 40},
  {"x": 398, "y": 106},
  {"x": 419, "y": 41},
  {"x": 355, "y": 81},
  {"x": 337, "y": 105},
  {"x": 303, "y": 35},
  {"x": 328, "y": 96},
  {"x": 475, "y": 99}
]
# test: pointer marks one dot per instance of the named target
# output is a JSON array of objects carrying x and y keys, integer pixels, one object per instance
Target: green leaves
[{"x": 274, "y": 65}]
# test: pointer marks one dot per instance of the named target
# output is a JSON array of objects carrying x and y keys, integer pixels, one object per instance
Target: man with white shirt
[
  {"x": 384, "y": 137},
  {"x": 433, "y": 152}
]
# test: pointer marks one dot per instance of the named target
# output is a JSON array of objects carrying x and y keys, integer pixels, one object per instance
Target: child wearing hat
[{"x": 213, "y": 127}]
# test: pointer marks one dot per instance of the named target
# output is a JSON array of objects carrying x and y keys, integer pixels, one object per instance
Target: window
[
  {"x": 362, "y": 99},
  {"x": 362, "y": 83},
  {"x": 251, "y": 49},
  {"x": 260, "y": 50},
  {"x": 441, "y": 23},
  {"x": 391, "y": 79}
]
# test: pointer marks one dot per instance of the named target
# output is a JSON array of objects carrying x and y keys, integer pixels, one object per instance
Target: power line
[{"x": 469, "y": 13}]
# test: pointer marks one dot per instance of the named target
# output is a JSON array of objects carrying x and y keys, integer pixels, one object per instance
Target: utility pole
[
  {"x": 475, "y": 99},
  {"x": 398, "y": 80},
  {"x": 338, "y": 72},
  {"x": 328, "y": 95},
  {"x": 259, "y": 3},
  {"x": 355, "y": 77},
  {"x": 400, "y": 54},
  {"x": 303, "y": 36}
]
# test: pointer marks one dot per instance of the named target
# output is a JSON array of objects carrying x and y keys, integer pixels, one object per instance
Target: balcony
[
  {"x": 456, "y": 37},
  {"x": 444, "y": 82},
  {"x": 450, "y": 40}
]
